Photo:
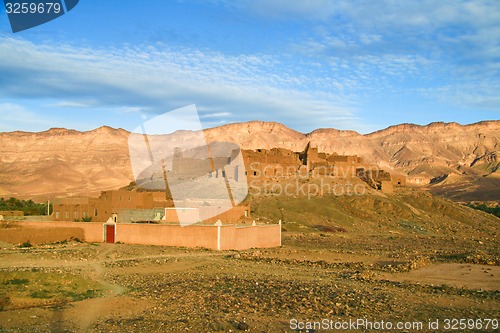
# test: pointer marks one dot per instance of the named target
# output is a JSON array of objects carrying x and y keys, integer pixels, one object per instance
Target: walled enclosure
[{"x": 223, "y": 237}]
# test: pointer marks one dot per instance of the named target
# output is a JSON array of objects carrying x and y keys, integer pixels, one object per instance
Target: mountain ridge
[
  {"x": 434, "y": 124},
  {"x": 95, "y": 160}
]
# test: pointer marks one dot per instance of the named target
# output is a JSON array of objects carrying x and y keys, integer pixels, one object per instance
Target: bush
[
  {"x": 25, "y": 244},
  {"x": 491, "y": 210},
  {"x": 87, "y": 219},
  {"x": 44, "y": 293},
  {"x": 328, "y": 228},
  {"x": 17, "y": 281}
]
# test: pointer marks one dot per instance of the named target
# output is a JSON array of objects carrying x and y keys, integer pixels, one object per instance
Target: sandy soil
[
  {"x": 160, "y": 289},
  {"x": 456, "y": 275}
]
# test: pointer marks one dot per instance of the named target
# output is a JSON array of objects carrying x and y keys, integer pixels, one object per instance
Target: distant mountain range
[{"x": 461, "y": 161}]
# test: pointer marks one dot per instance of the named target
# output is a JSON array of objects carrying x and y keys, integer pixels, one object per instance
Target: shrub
[
  {"x": 17, "y": 281},
  {"x": 491, "y": 210},
  {"x": 328, "y": 228},
  {"x": 26, "y": 244},
  {"x": 41, "y": 294}
]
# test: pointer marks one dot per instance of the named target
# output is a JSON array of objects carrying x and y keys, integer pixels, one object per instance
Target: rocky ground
[{"x": 79, "y": 287}]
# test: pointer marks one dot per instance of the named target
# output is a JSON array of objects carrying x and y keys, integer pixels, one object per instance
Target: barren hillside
[
  {"x": 67, "y": 162},
  {"x": 63, "y": 162}
]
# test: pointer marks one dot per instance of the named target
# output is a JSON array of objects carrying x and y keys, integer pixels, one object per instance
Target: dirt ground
[
  {"x": 80, "y": 287},
  {"x": 467, "y": 276}
]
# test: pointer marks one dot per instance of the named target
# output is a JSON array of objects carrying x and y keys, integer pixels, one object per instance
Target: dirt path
[
  {"x": 80, "y": 316},
  {"x": 467, "y": 276},
  {"x": 153, "y": 289}
]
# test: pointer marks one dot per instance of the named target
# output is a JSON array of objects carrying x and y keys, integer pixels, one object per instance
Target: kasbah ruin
[{"x": 149, "y": 217}]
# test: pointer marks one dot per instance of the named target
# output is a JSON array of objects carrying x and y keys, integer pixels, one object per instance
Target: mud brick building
[
  {"x": 251, "y": 166},
  {"x": 107, "y": 204},
  {"x": 281, "y": 164},
  {"x": 128, "y": 206}
]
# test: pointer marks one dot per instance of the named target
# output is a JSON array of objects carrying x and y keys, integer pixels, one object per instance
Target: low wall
[
  {"x": 36, "y": 235},
  {"x": 242, "y": 238},
  {"x": 93, "y": 231},
  {"x": 230, "y": 237},
  {"x": 5, "y": 213},
  {"x": 226, "y": 237},
  {"x": 168, "y": 235}
]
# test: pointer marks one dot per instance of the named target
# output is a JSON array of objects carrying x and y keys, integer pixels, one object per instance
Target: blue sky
[{"x": 307, "y": 64}]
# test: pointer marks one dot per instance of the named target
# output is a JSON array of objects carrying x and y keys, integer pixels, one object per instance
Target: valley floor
[{"x": 79, "y": 287}]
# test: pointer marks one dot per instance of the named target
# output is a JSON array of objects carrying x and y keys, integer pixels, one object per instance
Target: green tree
[{"x": 28, "y": 207}]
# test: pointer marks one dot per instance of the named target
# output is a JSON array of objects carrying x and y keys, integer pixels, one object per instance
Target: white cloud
[
  {"x": 392, "y": 14},
  {"x": 424, "y": 14},
  {"x": 479, "y": 95},
  {"x": 159, "y": 80},
  {"x": 286, "y": 9},
  {"x": 132, "y": 109},
  {"x": 381, "y": 48},
  {"x": 72, "y": 104},
  {"x": 216, "y": 115},
  {"x": 399, "y": 46}
]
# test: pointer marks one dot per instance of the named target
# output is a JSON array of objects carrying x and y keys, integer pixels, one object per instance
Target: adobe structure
[
  {"x": 133, "y": 206},
  {"x": 260, "y": 165},
  {"x": 282, "y": 164},
  {"x": 147, "y": 218},
  {"x": 120, "y": 215}
]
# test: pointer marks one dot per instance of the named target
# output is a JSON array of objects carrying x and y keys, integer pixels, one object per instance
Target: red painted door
[{"x": 110, "y": 233}]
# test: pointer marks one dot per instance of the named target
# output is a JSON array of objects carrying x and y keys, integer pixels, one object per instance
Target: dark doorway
[{"x": 110, "y": 233}]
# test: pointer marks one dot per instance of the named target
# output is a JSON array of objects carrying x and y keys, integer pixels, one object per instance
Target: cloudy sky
[{"x": 344, "y": 64}]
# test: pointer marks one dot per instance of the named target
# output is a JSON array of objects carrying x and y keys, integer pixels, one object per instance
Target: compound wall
[
  {"x": 92, "y": 231},
  {"x": 242, "y": 238},
  {"x": 225, "y": 237},
  {"x": 167, "y": 235}
]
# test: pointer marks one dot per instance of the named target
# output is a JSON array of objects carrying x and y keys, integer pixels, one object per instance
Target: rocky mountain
[
  {"x": 454, "y": 159},
  {"x": 61, "y": 162}
]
